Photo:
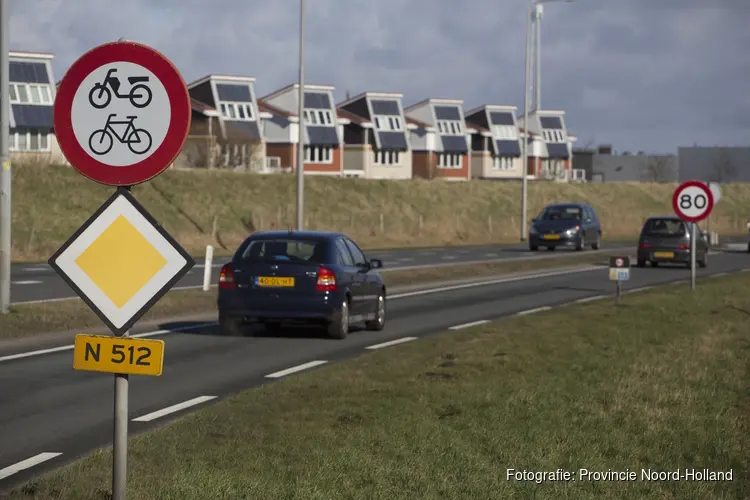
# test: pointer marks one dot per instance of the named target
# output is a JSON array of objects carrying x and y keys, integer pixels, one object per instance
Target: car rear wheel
[
  {"x": 231, "y": 326},
  {"x": 379, "y": 322},
  {"x": 598, "y": 243},
  {"x": 339, "y": 327},
  {"x": 641, "y": 263}
]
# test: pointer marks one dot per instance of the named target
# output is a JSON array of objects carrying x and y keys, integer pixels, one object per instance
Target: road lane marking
[
  {"x": 590, "y": 299},
  {"x": 533, "y": 311},
  {"x": 406, "y": 259},
  {"x": 391, "y": 343},
  {"x": 35, "y": 269},
  {"x": 448, "y": 257},
  {"x": 718, "y": 275},
  {"x": 26, "y": 464},
  {"x": 491, "y": 255},
  {"x": 295, "y": 369},
  {"x": 469, "y": 325},
  {"x": 174, "y": 408},
  {"x": 426, "y": 253},
  {"x": 27, "y": 282}
]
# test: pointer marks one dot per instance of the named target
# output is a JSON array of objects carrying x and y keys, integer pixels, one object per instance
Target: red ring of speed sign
[
  {"x": 179, "y": 114},
  {"x": 706, "y": 191},
  {"x": 619, "y": 262}
]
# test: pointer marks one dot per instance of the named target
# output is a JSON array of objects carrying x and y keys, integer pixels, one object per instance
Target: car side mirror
[{"x": 376, "y": 264}]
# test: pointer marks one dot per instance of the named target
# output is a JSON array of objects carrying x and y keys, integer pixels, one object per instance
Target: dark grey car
[
  {"x": 566, "y": 225},
  {"x": 667, "y": 240}
]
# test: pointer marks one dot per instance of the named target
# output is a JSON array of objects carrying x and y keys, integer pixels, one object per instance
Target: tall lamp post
[
  {"x": 532, "y": 76},
  {"x": 300, "y": 122}
]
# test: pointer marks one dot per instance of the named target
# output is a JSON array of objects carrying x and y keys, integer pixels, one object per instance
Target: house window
[
  {"x": 26, "y": 93},
  {"x": 388, "y": 123},
  {"x": 387, "y": 157},
  {"x": 28, "y": 140},
  {"x": 450, "y": 127},
  {"x": 237, "y": 110},
  {"x": 318, "y": 154},
  {"x": 449, "y": 160},
  {"x": 554, "y": 136},
  {"x": 508, "y": 132},
  {"x": 502, "y": 163},
  {"x": 319, "y": 117}
]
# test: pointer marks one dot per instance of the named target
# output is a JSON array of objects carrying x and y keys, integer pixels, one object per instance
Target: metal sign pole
[
  {"x": 5, "y": 180},
  {"x": 120, "y": 452},
  {"x": 692, "y": 255},
  {"x": 618, "y": 292}
]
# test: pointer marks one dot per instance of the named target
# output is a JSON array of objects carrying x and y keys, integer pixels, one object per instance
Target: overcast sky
[{"x": 639, "y": 74}]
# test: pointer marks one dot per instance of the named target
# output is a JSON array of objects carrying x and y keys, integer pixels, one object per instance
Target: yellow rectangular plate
[
  {"x": 275, "y": 281},
  {"x": 551, "y": 236},
  {"x": 664, "y": 255},
  {"x": 103, "y": 353}
]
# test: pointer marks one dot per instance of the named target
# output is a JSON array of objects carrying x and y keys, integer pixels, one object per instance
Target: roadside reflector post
[
  {"x": 207, "y": 268},
  {"x": 619, "y": 270},
  {"x": 693, "y": 202}
]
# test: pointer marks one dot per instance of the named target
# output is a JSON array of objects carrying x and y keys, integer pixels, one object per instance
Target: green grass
[
  {"x": 660, "y": 382},
  {"x": 32, "y": 319},
  {"x": 221, "y": 208}
]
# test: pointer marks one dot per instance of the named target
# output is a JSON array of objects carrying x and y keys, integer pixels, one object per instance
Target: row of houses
[{"x": 371, "y": 135}]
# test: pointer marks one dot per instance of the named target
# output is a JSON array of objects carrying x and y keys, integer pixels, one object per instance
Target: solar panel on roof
[
  {"x": 501, "y": 118},
  {"x": 26, "y": 72},
  {"x": 552, "y": 122},
  {"x": 317, "y": 100},
  {"x": 384, "y": 107},
  {"x": 507, "y": 148},
  {"x": 234, "y": 92},
  {"x": 30, "y": 116},
  {"x": 322, "y": 136},
  {"x": 557, "y": 150},
  {"x": 454, "y": 144},
  {"x": 393, "y": 141},
  {"x": 447, "y": 113}
]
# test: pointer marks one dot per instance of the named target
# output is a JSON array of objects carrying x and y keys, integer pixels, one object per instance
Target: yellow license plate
[
  {"x": 275, "y": 281},
  {"x": 551, "y": 236},
  {"x": 664, "y": 255}
]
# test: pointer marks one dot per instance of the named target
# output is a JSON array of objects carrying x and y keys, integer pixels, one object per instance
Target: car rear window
[
  {"x": 285, "y": 249},
  {"x": 569, "y": 212},
  {"x": 665, "y": 227}
]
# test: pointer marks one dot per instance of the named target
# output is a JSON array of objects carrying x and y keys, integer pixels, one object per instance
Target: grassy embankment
[
  {"x": 659, "y": 383},
  {"x": 32, "y": 319},
  {"x": 220, "y": 208}
]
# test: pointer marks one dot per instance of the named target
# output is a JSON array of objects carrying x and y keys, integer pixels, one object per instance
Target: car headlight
[{"x": 572, "y": 230}]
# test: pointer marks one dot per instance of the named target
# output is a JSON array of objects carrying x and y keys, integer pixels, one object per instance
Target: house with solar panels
[
  {"x": 440, "y": 145},
  {"x": 550, "y": 151},
  {"x": 496, "y": 144},
  {"x": 32, "y": 96},
  {"x": 322, "y": 137},
  {"x": 376, "y": 144},
  {"x": 226, "y": 123}
]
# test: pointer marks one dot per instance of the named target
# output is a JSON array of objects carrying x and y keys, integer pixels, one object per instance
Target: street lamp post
[{"x": 300, "y": 122}]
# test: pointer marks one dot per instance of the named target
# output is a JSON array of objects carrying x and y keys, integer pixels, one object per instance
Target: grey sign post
[
  {"x": 5, "y": 182},
  {"x": 692, "y": 202},
  {"x": 619, "y": 271}
]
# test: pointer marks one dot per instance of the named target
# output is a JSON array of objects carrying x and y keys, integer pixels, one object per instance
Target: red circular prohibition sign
[
  {"x": 179, "y": 124},
  {"x": 706, "y": 191}
]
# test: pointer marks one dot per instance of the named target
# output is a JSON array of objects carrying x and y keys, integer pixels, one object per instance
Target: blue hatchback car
[
  {"x": 566, "y": 225},
  {"x": 308, "y": 277}
]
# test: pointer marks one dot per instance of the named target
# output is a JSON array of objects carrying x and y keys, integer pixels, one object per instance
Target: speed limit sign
[{"x": 692, "y": 201}]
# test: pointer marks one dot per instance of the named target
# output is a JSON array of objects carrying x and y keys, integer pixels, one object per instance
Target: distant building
[
  {"x": 600, "y": 165},
  {"x": 720, "y": 164}
]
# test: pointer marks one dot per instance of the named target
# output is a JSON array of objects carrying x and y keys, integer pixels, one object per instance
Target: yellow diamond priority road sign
[{"x": 121, "y": 261}]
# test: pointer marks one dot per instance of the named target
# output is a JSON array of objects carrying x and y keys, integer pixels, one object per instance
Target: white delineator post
[{"x": 207, "y": 269}]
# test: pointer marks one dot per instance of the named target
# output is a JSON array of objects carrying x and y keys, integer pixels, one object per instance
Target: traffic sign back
[
  {"x": 122, "y": 113},
  {"x": 692, "y": 201}
]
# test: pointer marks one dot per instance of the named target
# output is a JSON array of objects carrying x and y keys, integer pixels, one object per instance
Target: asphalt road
[
  {"x": 38, "y": 282},
  {"x": 50, "y": 414}
]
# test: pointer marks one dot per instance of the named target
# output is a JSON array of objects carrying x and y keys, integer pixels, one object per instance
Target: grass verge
[
  {"x": 658, "y": 383},
  {"x": 220, "y": 208},
  {"x": 30, "y": 319}
]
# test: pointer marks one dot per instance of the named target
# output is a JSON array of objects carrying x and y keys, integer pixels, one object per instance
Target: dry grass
[
  {"x": 659, "y": 383},
  {"x": 33, "y": 319},
  {"x": 221, "y": 208}
]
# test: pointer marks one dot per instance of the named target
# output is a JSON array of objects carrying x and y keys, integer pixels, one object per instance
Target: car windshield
[
  {"x": 665, "y": 227},
  {"x": 285, "y": 249},
  {"x": 560, "y": 213}
]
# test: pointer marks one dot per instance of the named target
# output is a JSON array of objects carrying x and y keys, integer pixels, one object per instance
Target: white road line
[
  {"x": 392, "y": 342},
  {"x": 533, "y": 311},
  {"x": 491, "y": 255},
  {"x": 35, "y": 269},
  {"x": 26, "y": 282},
  {"x": 406, "y": 259},
  {"x": 426, "y": 253},
  {"x": 26, "y": 464},
  {"x": 295, "y": 369},
  {"x": 590, "y": 299},
  {"x": 174, "y": 408},
  {"x": 718, "y": 275},
  {"x": 469, "y": 325},
  {"x": 448, "y": 257}
]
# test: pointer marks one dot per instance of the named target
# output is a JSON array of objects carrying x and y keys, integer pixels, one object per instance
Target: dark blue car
[
  {"x": 573, "y": 225},
  {"x": 309, "y": 277}
]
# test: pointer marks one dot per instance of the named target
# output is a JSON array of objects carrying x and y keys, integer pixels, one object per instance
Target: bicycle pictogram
[
  {"x": 138, "y": 140},
  {"x": 139, "y": 95}
]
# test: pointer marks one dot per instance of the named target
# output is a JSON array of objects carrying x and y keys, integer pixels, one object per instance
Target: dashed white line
[
  {"x": 26, "y": 282},
  {"x": 174, "y": 408},
  {"x": 391, "y": 343},
  {"x": 590, "y": 299},
  {"x": 406, "y": 259},
  {"x": 35, "y": 269},
  {"x": 295, "y": 369},
  {"x": 718, "y": 275},
  {"x": 448, "y": 257},
  {"x": 491, "y": 255},
  {"x": 26, "y": 464},
  {"x": 426, "y": 253},
  {"x": 469, "y": 325},
  {"x": 533, "y": 311}
]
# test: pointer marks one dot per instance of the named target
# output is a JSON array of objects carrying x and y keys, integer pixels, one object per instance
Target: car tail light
[
  {"x": 226, "y": 277},
  {"x": 683, "y": 246},
  {"x": 645, "y": 245},
  {"x": 326, "y": 280}
]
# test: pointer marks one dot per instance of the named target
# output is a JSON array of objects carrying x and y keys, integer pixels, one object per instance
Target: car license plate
[
  {"x": 664, "y": 255},
  {"x": 274, "y": 281},
  {"x": 551, "y": 236}
]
